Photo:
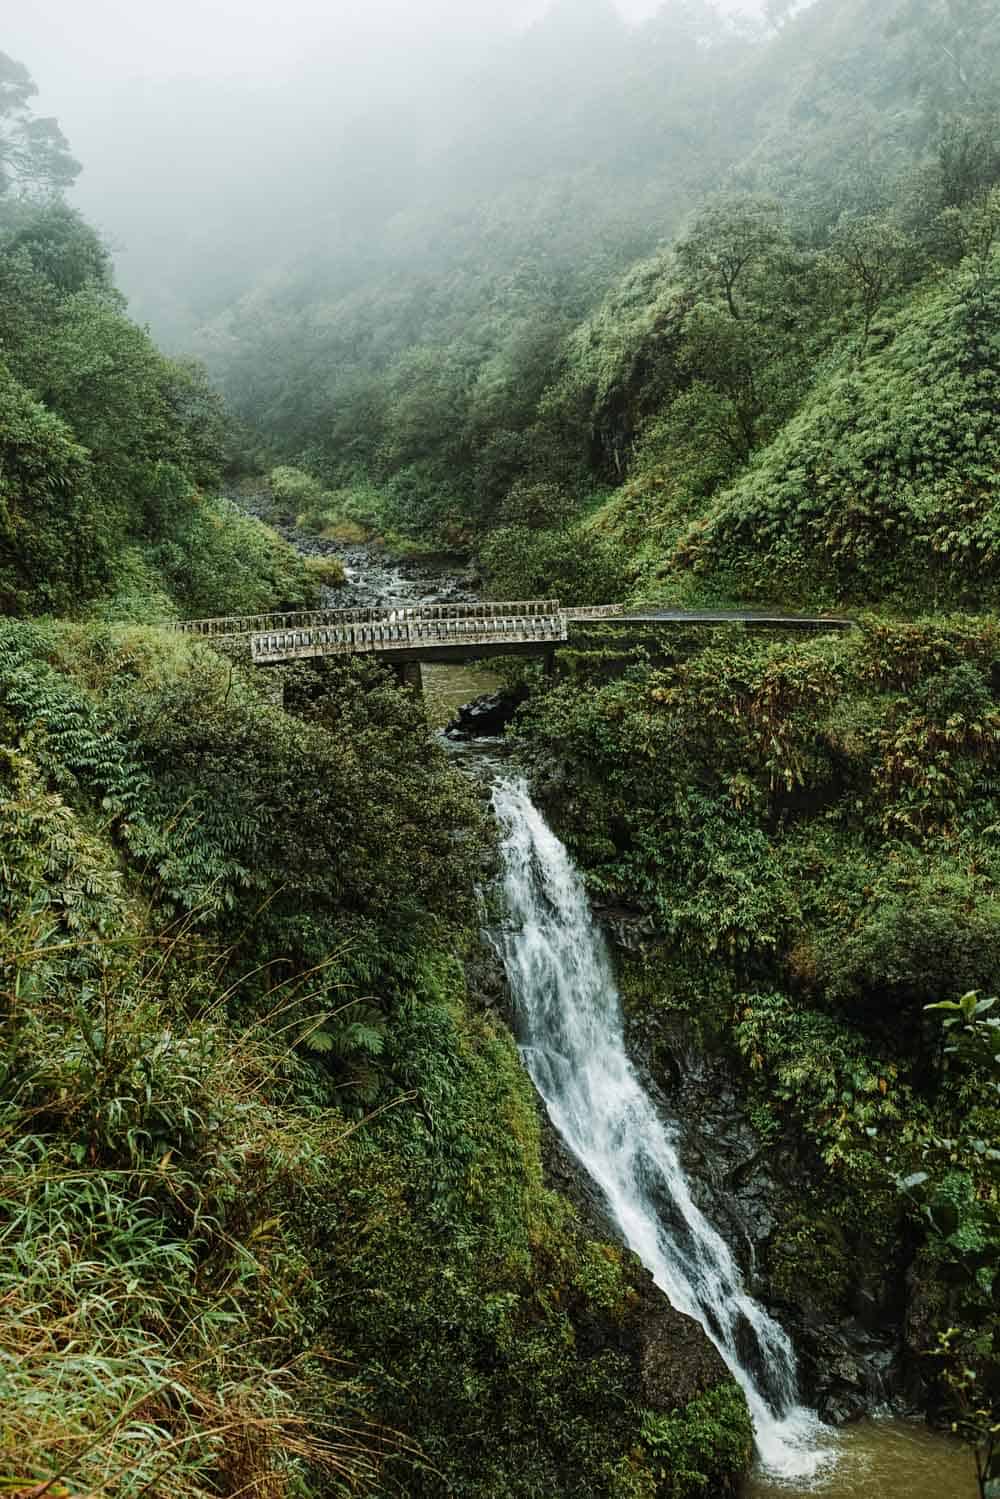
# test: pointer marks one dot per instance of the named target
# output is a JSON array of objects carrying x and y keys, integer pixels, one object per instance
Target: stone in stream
[{"x": 487, "y": 716}]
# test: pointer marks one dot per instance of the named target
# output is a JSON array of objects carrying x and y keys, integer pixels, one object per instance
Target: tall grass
[{"x": 161, "y": 1328}]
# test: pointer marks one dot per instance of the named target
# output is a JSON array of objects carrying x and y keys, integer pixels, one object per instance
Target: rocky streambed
[
  {"x": 377, "y": 580},
  {"x": 374, "y": 578}
]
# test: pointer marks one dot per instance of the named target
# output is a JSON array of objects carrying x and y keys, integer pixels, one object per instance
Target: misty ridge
[
  {"x": 474, "y": 273},
  {"x": 428, "y": 134},
  {"x": 376, "y": 148}
]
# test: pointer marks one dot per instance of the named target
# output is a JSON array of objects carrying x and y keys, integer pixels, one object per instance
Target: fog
[
  {"x": 76, "y": 47},
  {"x": 220, "y": 137}
]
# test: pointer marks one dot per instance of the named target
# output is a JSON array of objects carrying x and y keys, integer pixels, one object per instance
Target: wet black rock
[
  {"x": 678, "y": 1361},
  {"x": 373, "y": 577},
  {"x": 857, "y": 1377},
  {"x": 487, "y": 983},
  {"x": 487, "y": 716},
  {"x": 630, "y": 930},
  {"x": 850, "y": 1356}
]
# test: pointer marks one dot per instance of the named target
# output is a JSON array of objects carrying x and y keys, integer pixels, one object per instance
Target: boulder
[
  {"x": 487, "y": 716},
  {"x": 678, "y": 1361}
]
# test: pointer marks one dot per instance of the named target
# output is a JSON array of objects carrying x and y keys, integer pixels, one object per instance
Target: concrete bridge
[{"x": 408, "y": 634}]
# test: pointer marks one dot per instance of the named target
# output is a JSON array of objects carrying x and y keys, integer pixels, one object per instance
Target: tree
[
  {"x": 745, "y": 378},
  {"x": 53, "y": 550},
  {"x": 34, "y": 153},
  {"x": 198, "y": 414},
  {"x": 124, "y": 401},
  {"x": 950, "y": 56},
  {"x": 872, "y": 253},
  {"x": 968, "y": 157},
  {"x": 61, "y": 247},
  {"x": 726, "y": 239}
]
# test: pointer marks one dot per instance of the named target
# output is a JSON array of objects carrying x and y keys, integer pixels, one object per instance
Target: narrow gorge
[{"x": 567, "y": 1016}]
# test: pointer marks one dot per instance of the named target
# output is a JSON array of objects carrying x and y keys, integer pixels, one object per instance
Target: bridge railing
[
  {"x": 249, "y": 624},
  {"x": 594, "y": 611},
  {"x": 386, "y": 636},
  {"x": 309, "y": 619}
]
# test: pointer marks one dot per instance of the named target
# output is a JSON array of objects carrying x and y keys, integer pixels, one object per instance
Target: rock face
[
  {"x": 849, "y": 1345},
  {"x": 678, "y": 1361},
  {"x": 843, "y": 1313},
  {"x": 487, "y": 716},
  {"x": 846, "y": 1314}
]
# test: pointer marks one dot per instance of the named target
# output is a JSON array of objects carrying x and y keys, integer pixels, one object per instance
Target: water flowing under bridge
[{"x": 462, "y": 632}]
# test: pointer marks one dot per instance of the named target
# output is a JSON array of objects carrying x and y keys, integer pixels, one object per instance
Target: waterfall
[{"x": 572, "y": 1043}]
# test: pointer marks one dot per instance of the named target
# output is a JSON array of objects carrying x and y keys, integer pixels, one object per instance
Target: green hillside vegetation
[
  {"x": 476, "y": 388},
  {"x": 111, "y": 453},
  {"x": 788, "y": 399},
  {"x": 882, "y": 487},
  {"x": 272, "y": 1212}
]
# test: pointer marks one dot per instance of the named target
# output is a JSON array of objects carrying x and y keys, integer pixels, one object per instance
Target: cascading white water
[{"x": 573, "y": 1047}]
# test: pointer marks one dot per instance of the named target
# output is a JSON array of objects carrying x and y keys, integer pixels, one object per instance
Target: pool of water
[
  {"x": 883, "y": 1460},
  {"x": 446, "y": 688}
]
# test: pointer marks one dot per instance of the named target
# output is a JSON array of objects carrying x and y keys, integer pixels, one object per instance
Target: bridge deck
[
  {"x": 461, "y": 632},
  {"x": 415, "y": 639},
  {"x": 315, "y": 619},
  {"x": 752, "y": 618}
]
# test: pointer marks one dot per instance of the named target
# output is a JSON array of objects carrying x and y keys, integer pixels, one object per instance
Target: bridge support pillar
[
  {"x": 408, "y": 674},
  {"x": 549, "y": 666}
]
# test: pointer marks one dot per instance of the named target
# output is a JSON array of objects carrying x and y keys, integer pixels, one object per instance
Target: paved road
[{"x": 763, "y": 617}]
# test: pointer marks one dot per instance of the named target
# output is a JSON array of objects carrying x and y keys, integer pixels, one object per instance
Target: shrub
[
  {"x": 573, "y": 566},
  {"x": 47, "y": 492}
]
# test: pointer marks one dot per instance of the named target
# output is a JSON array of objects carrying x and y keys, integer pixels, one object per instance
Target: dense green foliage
[
  {"x": 959, "y": 1197},
  {"x": 105, "y": 441},
  {"x": 272, "y": 1201},
  {"x": 691, "y": 1448},
  {"x": 272, "y": 1207}
]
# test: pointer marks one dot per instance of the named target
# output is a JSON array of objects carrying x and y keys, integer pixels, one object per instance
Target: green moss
[
  {"x": 327, "y": 572},
  {"x": 657, "y": 980},
  {"x": 810, "y": 1263},
  {"x": 603, "y": 1280}
]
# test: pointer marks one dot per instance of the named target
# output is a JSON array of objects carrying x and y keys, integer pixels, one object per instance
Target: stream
[
  {"x": 572, "y": 1044},
  {"x": 377, "y": 580}
]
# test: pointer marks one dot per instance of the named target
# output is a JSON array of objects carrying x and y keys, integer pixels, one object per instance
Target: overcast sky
[
  {"x": 76, "y": 47},
  {"x": 121, "y": 75}
]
